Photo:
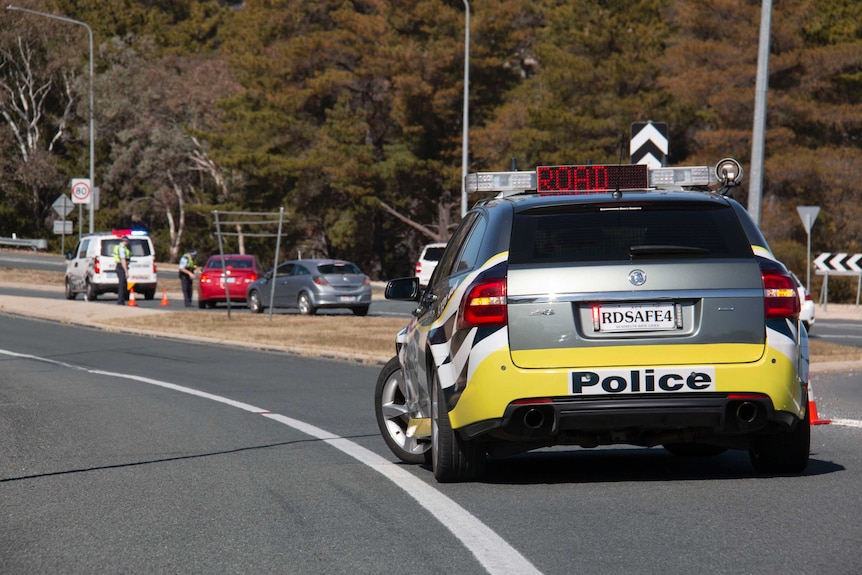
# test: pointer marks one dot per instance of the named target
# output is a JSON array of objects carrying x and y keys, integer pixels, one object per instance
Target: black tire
[
  {"x": 202, "y": 303},
  {"x": 390, "y": 407},
  {"x": 150, "y": 294},
  {"x": 254, "y": 303},
  {"x": 694, "y": 449},
  {"x": 91, "y": 294},
  {"x": 70, "y": 293},
  {"x": 303, "y": 302},
  {"x": 453, "y": 458},
  {"x": 361, "y": 311},
  {"x": 784, "y": 452}
]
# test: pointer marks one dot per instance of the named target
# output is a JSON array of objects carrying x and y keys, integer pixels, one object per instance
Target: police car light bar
[
  {"x": 128, "y": 232},
  {"x": 506, "y": 183},
  {"x": 592, "y": 179},
  {"x": 683, "y": 176}
]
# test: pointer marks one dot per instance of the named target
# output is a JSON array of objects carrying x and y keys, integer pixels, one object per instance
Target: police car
[
  {"x": 91, "y": 270},
  {"x": 597, "y": 305}
]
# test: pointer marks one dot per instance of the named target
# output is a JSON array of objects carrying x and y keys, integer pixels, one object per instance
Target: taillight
[
  {"x": 418, "y": 268},
  {"x": 97, "y": 267},
  {"x": 484, "y": 305},
  {"x": 780, "y": 296},
  {"x": 320, "y": 280},
  {"x": 205, "y": 279},
  {"x": 155, "y": 268}
]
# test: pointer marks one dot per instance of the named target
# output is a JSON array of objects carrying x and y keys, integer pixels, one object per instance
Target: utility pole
[
  {"x": 757, "y": 137},
  {"x": 464, "y": 138}
]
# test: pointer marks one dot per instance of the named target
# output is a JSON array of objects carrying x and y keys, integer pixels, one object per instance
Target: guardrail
[{"x": 23, "y": 243}]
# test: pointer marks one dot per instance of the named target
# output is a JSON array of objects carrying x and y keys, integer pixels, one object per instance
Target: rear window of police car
[
  {"x": 613, "y": 232},
  {"x": 138, "y": 247}
]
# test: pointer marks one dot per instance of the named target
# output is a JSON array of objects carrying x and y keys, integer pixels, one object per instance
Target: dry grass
[
  {"x": 361, "y": 338},
  {"x": 365, "y": 339},
  {"x": 822, "y": 352}
]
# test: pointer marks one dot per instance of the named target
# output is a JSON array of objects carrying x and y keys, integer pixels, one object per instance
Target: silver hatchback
[
  {"x": 599, "y": 305},
  {"x": 312, "y": 284}
]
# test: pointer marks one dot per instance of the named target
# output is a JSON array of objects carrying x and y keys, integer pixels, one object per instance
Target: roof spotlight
[{"x": 729, "y": 172}]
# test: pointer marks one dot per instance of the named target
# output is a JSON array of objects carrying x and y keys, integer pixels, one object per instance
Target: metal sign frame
[{"x": 266, "y": 219}]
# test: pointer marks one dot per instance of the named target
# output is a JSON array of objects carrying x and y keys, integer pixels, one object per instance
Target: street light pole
[
  {"x": 464, "y": 139},
  {"x": 92, "y": 107},
  {"x": 758, "y": 136}
]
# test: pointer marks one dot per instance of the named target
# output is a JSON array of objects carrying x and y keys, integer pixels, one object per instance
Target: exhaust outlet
[
  {"x": 746, "y": 412},
  {"x": 534, "y": 419}
]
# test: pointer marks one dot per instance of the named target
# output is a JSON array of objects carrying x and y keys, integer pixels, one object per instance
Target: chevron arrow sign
[
  {"x": 838, "y": 264},
  {"x": 649, "y": 144}
]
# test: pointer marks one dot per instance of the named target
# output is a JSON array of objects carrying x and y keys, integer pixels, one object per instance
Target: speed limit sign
[{"x": 81, "y": 191}]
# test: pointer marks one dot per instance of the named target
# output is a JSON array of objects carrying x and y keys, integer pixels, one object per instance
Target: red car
[{"x": 240, "y": 271}]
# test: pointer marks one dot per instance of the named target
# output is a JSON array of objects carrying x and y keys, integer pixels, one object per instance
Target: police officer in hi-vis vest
[
  {"x": 187, "y": 275},
  {"x": 122, "y": 255}
]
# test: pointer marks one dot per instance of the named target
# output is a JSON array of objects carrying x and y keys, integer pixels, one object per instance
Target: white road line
[
  {"x": 491, "y": 550},
  {"x": 847, "y": 422}
]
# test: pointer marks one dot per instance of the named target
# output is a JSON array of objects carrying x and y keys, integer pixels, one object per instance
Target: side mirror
[
  {"x": 403, "y": 289},
  {"x": 268, "y": 275}
]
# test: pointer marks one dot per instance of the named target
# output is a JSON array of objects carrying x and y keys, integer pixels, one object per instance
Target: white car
[
  {"x": 428, "y": 261},
  {"x": 806, "y": 314},
  {"x": 90, "y": 269}
]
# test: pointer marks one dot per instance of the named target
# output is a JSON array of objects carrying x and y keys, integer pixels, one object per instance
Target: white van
[
  {"x": 90, "y": 269},
  {"x": 428, "y": 261}
]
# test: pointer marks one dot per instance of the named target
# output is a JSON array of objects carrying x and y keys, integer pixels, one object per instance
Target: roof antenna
[{"x": 617, "y": 193}]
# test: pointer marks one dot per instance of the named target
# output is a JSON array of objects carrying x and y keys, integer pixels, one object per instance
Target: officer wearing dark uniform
[
  {"x": 187, "y": 275},
  {"x": 122, "y": 255}
]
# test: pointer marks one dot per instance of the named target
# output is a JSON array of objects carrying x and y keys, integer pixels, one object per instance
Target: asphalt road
[
  {"x": 838, "y": 331},
  {"x": 136, "y": 454}
]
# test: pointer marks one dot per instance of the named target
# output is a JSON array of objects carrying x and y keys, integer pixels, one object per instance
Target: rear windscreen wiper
[{"x": 665, "y": 250}]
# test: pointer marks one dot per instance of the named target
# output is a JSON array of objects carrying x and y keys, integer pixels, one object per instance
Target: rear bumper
[
  {"x": 519, "y": 404},
  {"x": 112, "y": 287},
  {"x": 342, "y": 300},
  {"x": 216, "y": 294},
  {"x": 641, "y": 420}
]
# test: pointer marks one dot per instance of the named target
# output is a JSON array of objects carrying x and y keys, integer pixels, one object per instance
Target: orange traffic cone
[
  {"x": 812, "y": 409},
  {"x": 132, "y": 302},
  {"x": 164, "y": 297}
]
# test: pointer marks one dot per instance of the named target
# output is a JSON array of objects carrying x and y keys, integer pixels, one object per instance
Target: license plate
[
  {"x": 635, "y": 317},
  {"x": 346, "y": 298},
  {"x": 231, "y": 280}
]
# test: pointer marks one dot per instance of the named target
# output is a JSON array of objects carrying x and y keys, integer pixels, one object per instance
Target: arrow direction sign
[
  {"x": 838, "y": 264},
  {"x": 649, "y": 144},
  {"x": 820, "y": 261}
]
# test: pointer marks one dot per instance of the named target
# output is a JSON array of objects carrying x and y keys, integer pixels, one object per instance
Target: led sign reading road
[{"x": 556, "y": 180}]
